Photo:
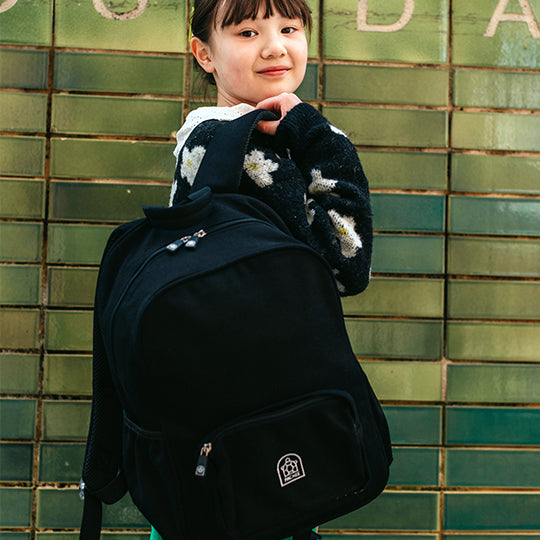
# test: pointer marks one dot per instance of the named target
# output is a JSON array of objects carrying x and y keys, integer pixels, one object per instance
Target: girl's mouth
[{"x": 275, "y": 71}]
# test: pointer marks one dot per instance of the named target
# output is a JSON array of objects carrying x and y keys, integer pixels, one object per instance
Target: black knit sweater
[{"x": 310, "y": 174}]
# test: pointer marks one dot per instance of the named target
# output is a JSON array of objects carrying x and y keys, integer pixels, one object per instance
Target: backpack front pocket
[{"x": 298, "y": 458}]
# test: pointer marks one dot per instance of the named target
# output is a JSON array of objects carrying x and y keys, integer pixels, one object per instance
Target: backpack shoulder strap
[{"x": 223, "y": 161}]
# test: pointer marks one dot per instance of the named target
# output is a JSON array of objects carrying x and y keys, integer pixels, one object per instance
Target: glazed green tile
[
  {"x": 17, "y": 418},
  {"x": 394, "y": 338},
  {"x": 404, "y": 170},
  {"x": 509, "y": 342},
  {"x": 19, "y": 329},
  {"x": 493, "y": 257},
  {"x": 81, "y": 244},
  {"x": 20, "y": 284},
  {"x": 66, "y": 420},
  {"x": 496, "y": 131},
  {"x": 491, "y": 511},
  {"x": 16, "y": 507},
  {"x": 403, "y": 212},
  {"x": 21, "y": 198},
  {"x": 423, "y": 39},
  {"x": 63, "y": 509},
  {"x": 492, "y": 468},
  {"x": 159, "y": 28},
  {"x": 67, "y": 374},
  {"x": 390, "y": 127},
  {"x": 376, "y": 84},
  {"x": 86, "y": 158},
  {"x": 480, "y": 299},
  {"x": 493, "y": 383},
  {"x": 475, "y": 88},
  {"x": 74, "y": 287},
  {"x": 414, "y": 424},
  {"x": 104, "y": 534},
  {"x": 23, "y": 68},
  {"x": 23, "y": 112},
  {"x": 16, "y": 462},
  {"x": 84, "y": 115},
  {"x": 414, "y": 467},
  {"x": 404, "y": 511},
  {"x": 309, "y": 87},
  {"x": 104, "y": 202},
  {"x": 118, "y": 73},
  {"x": 494, "y": 215},
  {"x": 511, "y": 45},
  {"x": 400, "y": 253},
  {"x": 19, "y": 373},
  {"x": 24, "y": 156},
  {"x": 493, "y": 426},
  {"x": 68, "y": 330},
  {"x": 490, "y": 537},
  {"x": 61, "y": 462},
  {"x": 400, "y": 296},
  {"x": 495, "y": 174},
  {"x": 405, "y": 381},
  {"x": 21, "y": 242},
  {"x": 27, "y": 22},
  {"x": 364, "y": 536},
  {"x": 14, "y": 536},
  {"x": 313, "y": 40}
]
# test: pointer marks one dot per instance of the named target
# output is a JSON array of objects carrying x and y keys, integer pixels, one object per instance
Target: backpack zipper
[
  {"x": 189, "y": 241},
  {"x": 276, "y": 411}
]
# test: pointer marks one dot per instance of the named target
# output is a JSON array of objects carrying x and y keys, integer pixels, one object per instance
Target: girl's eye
[
  {"x": 288, "y": 30},
  {"x": 248, "y": 33}
]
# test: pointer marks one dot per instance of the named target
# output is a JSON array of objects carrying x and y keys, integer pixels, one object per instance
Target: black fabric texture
[{"x": 214, "y": 325}]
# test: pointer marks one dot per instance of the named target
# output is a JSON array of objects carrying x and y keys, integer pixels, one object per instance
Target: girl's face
[{"x": 255, "y": 59}]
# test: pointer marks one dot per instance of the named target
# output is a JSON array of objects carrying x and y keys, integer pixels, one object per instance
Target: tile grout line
[
  {"x": 44, "y": 283},
  {"x": 444, "y": 361}
]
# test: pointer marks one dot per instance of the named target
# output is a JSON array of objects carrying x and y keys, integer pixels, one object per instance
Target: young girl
[{"x": 255, "y": 52}]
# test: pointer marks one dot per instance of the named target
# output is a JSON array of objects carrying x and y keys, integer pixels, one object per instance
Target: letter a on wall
[
  {"x": 527, "y": 16},
  {"x": 398, "y": 25}
]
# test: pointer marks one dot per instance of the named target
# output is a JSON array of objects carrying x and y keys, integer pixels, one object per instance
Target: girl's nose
[{"x": 273, "y": 47}]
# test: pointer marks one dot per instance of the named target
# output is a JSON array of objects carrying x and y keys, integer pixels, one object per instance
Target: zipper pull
[
  {"x": 200, "y": 470},
  {"x": 173, "y": 246},
  {"x": 193, "y": 240}
]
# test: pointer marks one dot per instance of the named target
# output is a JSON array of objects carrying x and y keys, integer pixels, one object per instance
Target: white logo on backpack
[{"x": 290, "y": 469}]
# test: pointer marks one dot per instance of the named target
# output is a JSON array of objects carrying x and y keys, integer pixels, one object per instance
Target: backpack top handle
[{"x": 223, "y": 161}]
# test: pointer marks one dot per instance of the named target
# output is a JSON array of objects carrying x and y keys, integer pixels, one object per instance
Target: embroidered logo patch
[{"x": 290, "y": 469}]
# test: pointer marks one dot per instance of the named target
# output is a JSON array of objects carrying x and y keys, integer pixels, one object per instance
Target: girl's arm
[{"x": 320, "y": 190}]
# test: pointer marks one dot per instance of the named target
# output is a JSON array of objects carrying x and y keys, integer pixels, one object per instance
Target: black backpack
[{"x": 226, "y": 396}]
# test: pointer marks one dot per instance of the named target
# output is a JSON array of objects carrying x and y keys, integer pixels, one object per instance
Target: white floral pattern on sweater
[{"x": 319, "y": 189}]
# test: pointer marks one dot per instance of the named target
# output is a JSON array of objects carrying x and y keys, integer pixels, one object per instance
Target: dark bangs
[{"x": 235, "y": 11}]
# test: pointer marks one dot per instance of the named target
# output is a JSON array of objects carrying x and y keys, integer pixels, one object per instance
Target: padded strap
[
  {"x": 93, "y": 508},
  {"x": 91, "y": 520},
  {"x": 221, "y": 167}
]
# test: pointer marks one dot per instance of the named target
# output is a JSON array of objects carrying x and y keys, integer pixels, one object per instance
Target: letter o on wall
[
  {"x": 102, "y": 9},
  {"x": 7, "y": 4}
]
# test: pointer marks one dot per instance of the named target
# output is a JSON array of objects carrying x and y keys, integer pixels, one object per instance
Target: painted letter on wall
[
  {"x": 403, "y": 20},
  {"x": 527, "y": 16},
  {"x": 102, "y": 9}
]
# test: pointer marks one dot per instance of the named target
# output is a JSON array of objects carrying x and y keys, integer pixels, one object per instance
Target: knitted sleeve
[
  {"x": 310, "y": 174},
  {"x": 321, "y": 192}
]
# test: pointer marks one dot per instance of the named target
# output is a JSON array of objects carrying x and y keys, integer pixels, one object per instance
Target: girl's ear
[{"x": 201, "y": 52}]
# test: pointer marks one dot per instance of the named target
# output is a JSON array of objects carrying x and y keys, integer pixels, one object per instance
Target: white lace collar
[{"x": 194, "y": 118}]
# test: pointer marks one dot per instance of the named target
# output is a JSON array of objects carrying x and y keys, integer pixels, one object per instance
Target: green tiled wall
[{"x": 441, "y": 99}]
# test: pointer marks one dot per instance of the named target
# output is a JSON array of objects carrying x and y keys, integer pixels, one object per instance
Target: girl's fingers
[
  {"x": 280, "y": 105},
  {"x": 268, "y": 127}
]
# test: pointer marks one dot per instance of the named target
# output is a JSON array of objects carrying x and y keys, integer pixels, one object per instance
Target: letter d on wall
[{"x": 403, "y": 20}]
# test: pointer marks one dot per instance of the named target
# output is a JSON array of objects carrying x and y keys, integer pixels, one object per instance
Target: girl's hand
[{"x": 279, "y": 105}]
